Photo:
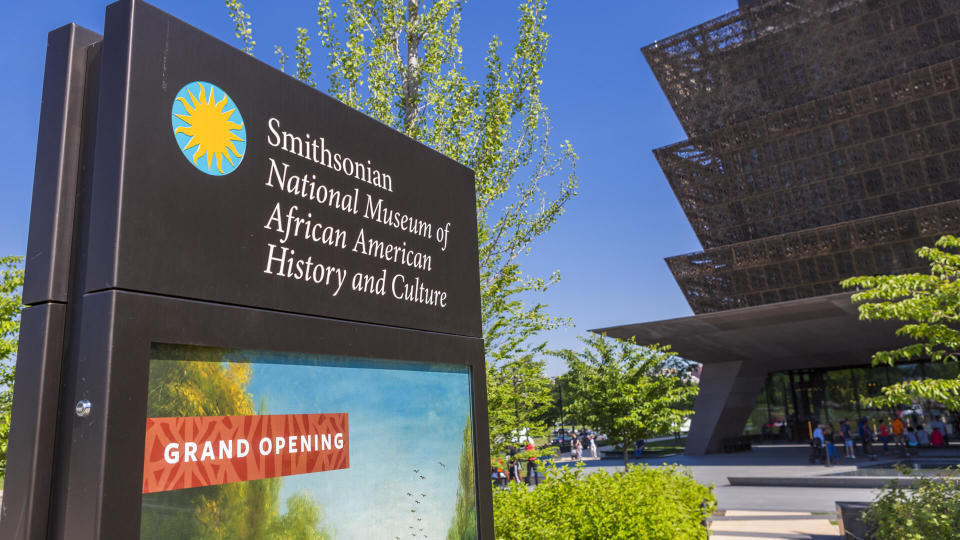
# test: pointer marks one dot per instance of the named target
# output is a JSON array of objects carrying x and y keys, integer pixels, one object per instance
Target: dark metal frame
[
  {"x": 69, "y": 107},
  {"x": 100, "y": 466}
]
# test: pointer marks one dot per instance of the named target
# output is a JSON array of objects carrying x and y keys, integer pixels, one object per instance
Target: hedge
[
  {"x": 643, "y": 503},
  {"x": 930, "y": 511}
]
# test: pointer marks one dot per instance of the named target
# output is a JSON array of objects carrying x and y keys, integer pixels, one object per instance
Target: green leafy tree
[
  {"x": 400, "y": 62},
  {"x": 242, "y": 26},
  {"x": 464, "y": 524},
  {"x": 11, "y": 283},
  {"x": 930, "y": 508},
  {"x": 301, "y": 521},
  {"x": 562, "y": 410},
  {"x": 929, "y": 304},
  {"x": 627, "y": 391},
  {"x": 201, "y": 381},
  {"x": 518, "y": 398}
]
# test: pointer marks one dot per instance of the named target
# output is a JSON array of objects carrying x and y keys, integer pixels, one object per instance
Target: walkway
[{"x": 752, "y": 525}]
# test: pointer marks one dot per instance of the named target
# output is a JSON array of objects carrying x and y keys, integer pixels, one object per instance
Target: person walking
[
  {"x": 593, "y": 446},
  {"x": 638, "y": 447},
  {"x": 937, "y": 425},
  {"x": 829, "y": 436},
  {"x": 579, "y": 450},
  {"x": 922, "y": 436},
  {"x": 898, "y": 437},
  {"x": 847, "y": 440},
  {"x": 866, "y": 439},
  {"x": 501, "y": 476},
  {"x": 884, "y": 433},
  {"x": 515, "y": 472},
  {"x": 936, "y": 438},
  {"x": 532, "y": 478},
  {"x": 819, "y": 444},
  {"x": 912, "y": 442}
]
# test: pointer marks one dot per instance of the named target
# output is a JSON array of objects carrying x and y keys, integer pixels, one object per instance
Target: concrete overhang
[{"x": 823, "y": 331}]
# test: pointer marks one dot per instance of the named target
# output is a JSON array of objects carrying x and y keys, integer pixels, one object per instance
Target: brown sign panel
[
  {"x": 205, "y": 201},
  {"x": 220, "y": 178}
]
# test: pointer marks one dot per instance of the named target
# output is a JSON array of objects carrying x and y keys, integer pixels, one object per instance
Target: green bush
[
  {"x": 641, "y": 503},
  {"x": 931, "y": 510}
]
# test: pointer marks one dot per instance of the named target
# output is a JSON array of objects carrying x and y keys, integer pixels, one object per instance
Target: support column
[{"x": 728, "y": 393}]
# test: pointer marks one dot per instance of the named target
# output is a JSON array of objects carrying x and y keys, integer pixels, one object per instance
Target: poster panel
[{"x": 257, "y": 444}]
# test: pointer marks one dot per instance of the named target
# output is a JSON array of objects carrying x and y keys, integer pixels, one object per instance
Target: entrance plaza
[
  {"x": 764, "y": 461},
  {"x": 776, "y": 370},
  {"x": 777, "y": 505}
]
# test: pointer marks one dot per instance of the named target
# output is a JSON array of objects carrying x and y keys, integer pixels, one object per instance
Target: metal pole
[
  {"x": 766, "y": 390},
  {"x": 560, "y": 390}
]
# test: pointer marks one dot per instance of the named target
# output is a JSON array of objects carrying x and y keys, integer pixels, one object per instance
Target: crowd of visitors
[
  {"x": 904, "y": 434},
  {"x": 582, "y": 442},
  {"x": 502, "y": 474},
  {"x": 515, "y": 462}
]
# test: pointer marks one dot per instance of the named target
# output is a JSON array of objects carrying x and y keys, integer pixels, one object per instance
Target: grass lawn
[
  {"x": 665, "y": 448},
  {"x": 661, "y": 448}
]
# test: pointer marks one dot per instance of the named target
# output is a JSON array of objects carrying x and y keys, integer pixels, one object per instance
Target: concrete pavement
[{"x": 764, "y": 460}]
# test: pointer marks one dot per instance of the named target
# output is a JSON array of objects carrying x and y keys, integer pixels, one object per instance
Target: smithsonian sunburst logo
[{"x": 208, "y": 128}]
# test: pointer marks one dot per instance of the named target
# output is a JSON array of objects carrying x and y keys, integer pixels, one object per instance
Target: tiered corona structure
[{"x": 824, "y": 143}]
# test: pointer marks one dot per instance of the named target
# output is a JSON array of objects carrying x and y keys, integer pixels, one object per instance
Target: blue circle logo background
[{"x": 208, "y": 128}]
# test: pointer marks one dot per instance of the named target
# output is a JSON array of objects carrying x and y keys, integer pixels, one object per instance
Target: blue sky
[{"x": 601, "y": 94}]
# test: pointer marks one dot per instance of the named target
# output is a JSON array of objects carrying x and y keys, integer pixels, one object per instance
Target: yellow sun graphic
[{"x": 209, "y": 127}]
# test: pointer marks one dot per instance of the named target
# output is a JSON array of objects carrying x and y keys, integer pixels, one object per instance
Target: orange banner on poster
[{"x": 196, "y": 451}]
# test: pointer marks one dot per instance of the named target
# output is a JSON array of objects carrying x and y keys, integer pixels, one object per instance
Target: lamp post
[{"x": 560, "y": 390}]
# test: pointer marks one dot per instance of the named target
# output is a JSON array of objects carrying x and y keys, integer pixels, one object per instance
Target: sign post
[{"x": 251, "y": 309}]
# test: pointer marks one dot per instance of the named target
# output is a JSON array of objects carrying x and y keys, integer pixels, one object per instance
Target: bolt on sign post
[{"x": 251, "y": 310}]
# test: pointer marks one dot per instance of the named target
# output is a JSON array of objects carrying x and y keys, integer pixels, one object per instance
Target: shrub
[
  {"x": 931, "y": 510},
  {"x": 643, "y": 503}
]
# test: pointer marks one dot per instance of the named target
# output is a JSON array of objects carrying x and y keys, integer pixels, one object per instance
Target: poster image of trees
[{"x": 411, "y": 471}]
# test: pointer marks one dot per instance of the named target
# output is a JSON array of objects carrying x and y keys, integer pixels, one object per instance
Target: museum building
[{"x": 824, "y": 143}]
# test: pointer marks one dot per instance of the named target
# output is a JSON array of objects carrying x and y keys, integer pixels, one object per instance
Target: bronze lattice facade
[{"x": 824, "y": 143}]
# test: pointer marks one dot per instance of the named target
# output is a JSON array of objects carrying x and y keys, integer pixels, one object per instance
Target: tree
[
  {"x": 11, "y": 283},
  {"x": 400, "y": 62},
  {"x": 300, "y": 522},
  {"x": 928, "y": 508},
  {"x": 518, "y": 398},
  {"x": 562, "y": 409},
  {"x": 464, "y": 523},
  {"x": 201, "y": 381},
  {"x": 627, "y": 391},
  {"x": 930, "y": 304}
]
